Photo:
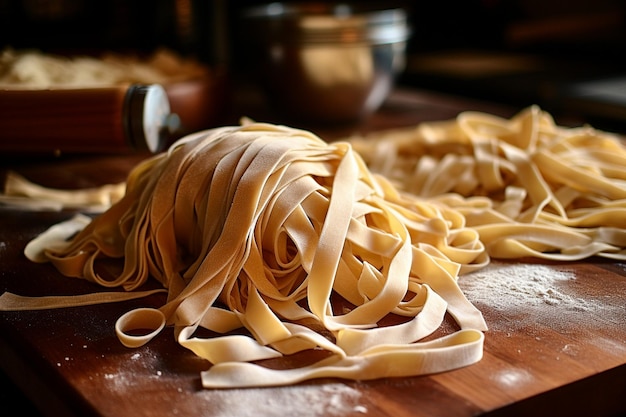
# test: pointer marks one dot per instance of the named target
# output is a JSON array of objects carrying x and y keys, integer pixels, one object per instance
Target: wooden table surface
[{"x": 556, "y": 344}]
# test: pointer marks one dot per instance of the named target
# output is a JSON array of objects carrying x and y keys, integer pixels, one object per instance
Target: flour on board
[
  {"x": 504, "y": 286},
  {"x": 327, "y": 400}
]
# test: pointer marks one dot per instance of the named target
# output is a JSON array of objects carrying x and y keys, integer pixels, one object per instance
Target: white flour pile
[
  {"x": 506, "y": 287},
  {"x": 329, "y": 400},
  {"x": 516, "y": 296}
]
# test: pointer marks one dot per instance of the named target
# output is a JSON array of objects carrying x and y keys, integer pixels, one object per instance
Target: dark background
[
  {"x": 576, "y": 29},
  {"x": 518, "y": 52}
]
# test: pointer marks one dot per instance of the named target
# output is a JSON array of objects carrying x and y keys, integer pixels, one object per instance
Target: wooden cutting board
[{"x": 556, "y": 344}]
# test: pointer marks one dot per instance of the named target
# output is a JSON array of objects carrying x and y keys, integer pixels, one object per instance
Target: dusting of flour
[
  {"x": 506, "y": 287},
  {"x": 326, "y": 400}
]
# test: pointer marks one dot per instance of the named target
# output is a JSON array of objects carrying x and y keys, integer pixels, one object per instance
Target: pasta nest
[{"x": 258, "y": 227}]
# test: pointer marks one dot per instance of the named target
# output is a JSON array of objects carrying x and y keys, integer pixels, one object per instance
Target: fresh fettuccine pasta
[
  {"x": 256, "y": 227},
  {"x": 253, "y": 230},
  {"x": 526, "y": 185}
]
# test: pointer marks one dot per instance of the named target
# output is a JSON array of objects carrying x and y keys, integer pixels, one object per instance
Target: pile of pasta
[
  {"x": 254, "y": 230},
  {"x": 529, "y": 187}
]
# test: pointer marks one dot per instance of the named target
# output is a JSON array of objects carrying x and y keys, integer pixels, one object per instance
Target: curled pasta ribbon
[
  {"x": 526, "y": 185},
  {"x": 140, "y": 319},
  {"x": 254, "y": 229}
]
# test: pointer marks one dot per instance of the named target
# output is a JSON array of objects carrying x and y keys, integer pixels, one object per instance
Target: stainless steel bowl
[{"x": 326, "y": 63}]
